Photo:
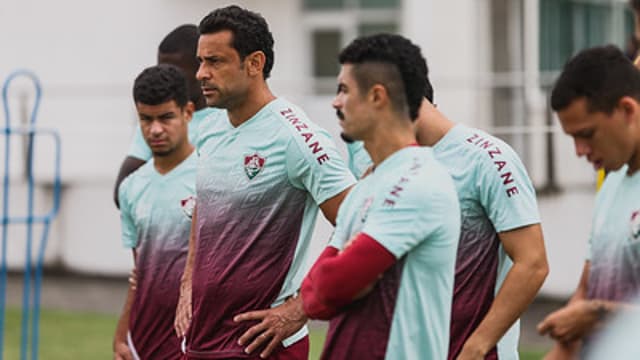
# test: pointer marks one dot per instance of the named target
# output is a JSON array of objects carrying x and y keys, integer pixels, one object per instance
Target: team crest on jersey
[
  {"x": 188, "y": 205},
  {"x": 253, "y": 164},
  {"x": 635, "y": 225}
]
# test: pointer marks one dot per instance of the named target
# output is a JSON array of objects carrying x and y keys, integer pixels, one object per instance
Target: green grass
[
  {"x": 66, "y": 336},
  {"x": 531, "y": 355}
]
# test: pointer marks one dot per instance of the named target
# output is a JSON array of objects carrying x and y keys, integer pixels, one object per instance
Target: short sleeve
[
  {"x": 416, "y": 216},
  {"x": 505, "y": 190},
  {"x": 129, "y": 233},
  {"x": 317, "y": 167},
  {"x": 138, "y": 147}
]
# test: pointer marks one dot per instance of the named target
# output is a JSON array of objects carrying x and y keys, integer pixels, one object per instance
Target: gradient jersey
[
  {"x": 495, "y": 195},
  {"x": 409, "y": 205},
  {"x": 156, "y": 222},
  {"x": 140, "y": 150},
  {"x": 258, "y": 187},
  {"x": 614, "y": 246}
]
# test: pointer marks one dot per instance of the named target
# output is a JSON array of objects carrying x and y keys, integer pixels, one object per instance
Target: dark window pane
[
  {"x": 379, "y": 3},
  {"x": 370, "y": 29},
  {"x": 556, "y": 43},
  {"x": 326, "y": 45},
  {"x": 323, "y": 4},
  {"x": 568, "y": 26}
]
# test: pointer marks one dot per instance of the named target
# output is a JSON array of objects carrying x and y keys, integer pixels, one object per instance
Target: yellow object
[{"x": 601, "y": 175}]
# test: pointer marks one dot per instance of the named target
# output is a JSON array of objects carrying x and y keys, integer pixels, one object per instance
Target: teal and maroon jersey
[
  {"x": 409, "y": 205},
  {"x": 140, "y": 150},
  {"x": 614, "y": 245},
  {"x": 155, "y": 211},
  {"x": 496, "y": 194},
  {"x": 258, "y": 188}
]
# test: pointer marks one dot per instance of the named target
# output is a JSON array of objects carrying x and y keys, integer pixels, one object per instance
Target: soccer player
[
  {"x": 597, "y": 99},
  {"x": 386, "y": 278},
  {"x": 177, "y": 48},
  {"x": 263, "y": 172},
  {"x": 501, "y": 260},
  {"x": 155, "y": 216}
]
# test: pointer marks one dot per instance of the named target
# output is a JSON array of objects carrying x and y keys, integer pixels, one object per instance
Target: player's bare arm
[
  {"x": 129, "y": 165},
  {"x": 183, "y": 311},
  {"x": 580, "y": 316},
  {"x": 121, "y": 349},
  {"x": 525, "y": 246},
  {"x": 569, "y": 349},
  {"x": 330, "y": 207}
]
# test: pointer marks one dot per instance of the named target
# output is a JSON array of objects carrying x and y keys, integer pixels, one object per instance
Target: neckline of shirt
[
  {"x": 267, "y": 107},
  {"x": 400, "y": 152},
  {"x": 175, "y": 169}
]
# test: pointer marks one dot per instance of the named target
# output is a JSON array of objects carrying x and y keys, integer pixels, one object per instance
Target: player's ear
[
  {"x": 629, "y": 105},
  {"x": 188, "y": 110},
  {"x": 255, "y": 63},
  {"x": 378, "y": 95}
]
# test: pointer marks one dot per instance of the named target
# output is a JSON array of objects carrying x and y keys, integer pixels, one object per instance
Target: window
[
  {"x": 565, "y": 27},
  {"x": 332, "y": 24}
]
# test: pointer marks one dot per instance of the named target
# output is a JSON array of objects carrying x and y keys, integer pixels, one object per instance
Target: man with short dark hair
[
  {"x": 386, "y": 279},
  {"x": 501, "y": 260},
  {"x": 155, "y": 216},
  {"x": 177, "y": 48},
  {"x": 263, "y": 173},
  {"x": 597, "y": 99}
]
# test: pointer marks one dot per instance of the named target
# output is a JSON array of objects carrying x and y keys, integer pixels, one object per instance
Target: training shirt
[
  {"x": 155, "y": 211},
  {"x": 140, "y": 150},
  {"x": 409, "y": 205},
  {"x": 258, "y": 188},
  {"x": 614, "y": 245},
  {"x": 496, "y": 194}
]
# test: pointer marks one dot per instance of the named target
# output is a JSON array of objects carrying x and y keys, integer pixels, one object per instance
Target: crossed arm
[{"x": 570, "y": 324}]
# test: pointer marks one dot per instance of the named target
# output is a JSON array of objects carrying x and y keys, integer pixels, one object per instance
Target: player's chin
[
  {"x": 610, "y": 167},
  {"x": 161, "y": 152},
  {"x": 212, "y": 100},
  {"x": 346, "y": 138}
]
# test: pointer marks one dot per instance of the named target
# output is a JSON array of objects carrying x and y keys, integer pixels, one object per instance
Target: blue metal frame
[{"x": 31, "y": 292}]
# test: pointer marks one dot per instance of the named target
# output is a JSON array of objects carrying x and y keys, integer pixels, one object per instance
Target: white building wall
[{"x": 87, "y": 54}]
